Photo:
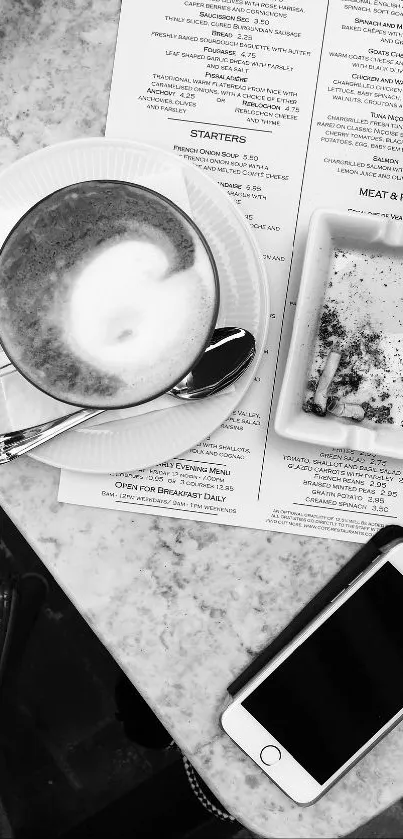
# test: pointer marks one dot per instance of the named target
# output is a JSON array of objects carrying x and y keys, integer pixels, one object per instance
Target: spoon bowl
[{"x": 228, "y": 355}]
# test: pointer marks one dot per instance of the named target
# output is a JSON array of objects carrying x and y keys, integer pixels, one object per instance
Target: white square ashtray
[{"x": 343, "y": 382}]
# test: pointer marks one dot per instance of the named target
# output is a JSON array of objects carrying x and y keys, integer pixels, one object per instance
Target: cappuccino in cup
[{"x": 108, "y": 294}]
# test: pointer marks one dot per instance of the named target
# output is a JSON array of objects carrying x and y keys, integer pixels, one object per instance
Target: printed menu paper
[{"x": 290, "y": 106}]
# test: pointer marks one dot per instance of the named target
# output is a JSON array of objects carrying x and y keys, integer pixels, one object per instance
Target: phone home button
[{"x": 270, "y": 755}]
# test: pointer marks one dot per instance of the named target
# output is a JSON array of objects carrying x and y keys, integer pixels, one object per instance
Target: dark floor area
[{"x": 67, "y": 766}]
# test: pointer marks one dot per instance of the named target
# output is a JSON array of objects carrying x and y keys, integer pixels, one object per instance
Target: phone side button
[
  {"x": 270, "y": 755},
  {"x": 341, "y": 592}
]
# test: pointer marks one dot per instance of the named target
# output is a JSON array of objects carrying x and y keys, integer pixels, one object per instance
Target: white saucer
[{"x": 143, "y": 441}]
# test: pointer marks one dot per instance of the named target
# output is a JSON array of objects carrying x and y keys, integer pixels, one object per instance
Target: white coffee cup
[{"x": 109, "y": 294}]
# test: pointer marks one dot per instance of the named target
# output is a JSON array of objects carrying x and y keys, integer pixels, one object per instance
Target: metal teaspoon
[{"x": 228, "y": 355}]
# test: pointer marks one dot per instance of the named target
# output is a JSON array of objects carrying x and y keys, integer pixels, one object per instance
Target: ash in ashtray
[{"x": 357, "y": 363}]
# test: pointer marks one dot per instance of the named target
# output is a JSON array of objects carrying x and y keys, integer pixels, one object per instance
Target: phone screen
[{"x": 342, "y": 684}]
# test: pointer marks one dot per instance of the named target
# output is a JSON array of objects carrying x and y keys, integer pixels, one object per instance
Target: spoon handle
[
  {"x": 6, "y": 368},
  {"x": 15, "y": 443}
]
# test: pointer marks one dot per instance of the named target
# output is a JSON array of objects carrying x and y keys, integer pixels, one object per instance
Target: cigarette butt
[
  {"x": 346, "y": 409},
  {"x": 325, "y": 380}
]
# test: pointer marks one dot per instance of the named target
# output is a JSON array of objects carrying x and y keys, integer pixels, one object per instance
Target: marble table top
[{"x": 182, "y": 606}]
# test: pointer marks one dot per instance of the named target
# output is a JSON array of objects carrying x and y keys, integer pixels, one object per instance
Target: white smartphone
[{"x": 333, "y": 692}]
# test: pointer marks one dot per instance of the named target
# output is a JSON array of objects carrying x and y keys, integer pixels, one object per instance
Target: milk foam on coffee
[
  {"x": 131, "y": 317},
  {"x": 107, "y": 294}
]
